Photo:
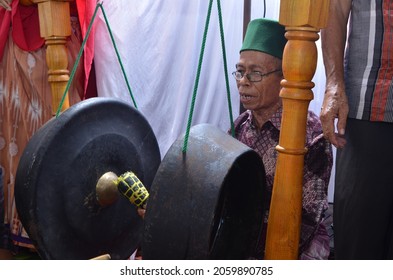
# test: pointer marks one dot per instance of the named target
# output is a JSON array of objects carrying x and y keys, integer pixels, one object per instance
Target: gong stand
[{"x": 303, "y": 20}]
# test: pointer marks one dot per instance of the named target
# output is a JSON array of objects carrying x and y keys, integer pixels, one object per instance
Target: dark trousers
[{"x": 363, "y": 195}]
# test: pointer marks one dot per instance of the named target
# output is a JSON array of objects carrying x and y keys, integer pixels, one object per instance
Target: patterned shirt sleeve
[{"x": 318, "y": 163}]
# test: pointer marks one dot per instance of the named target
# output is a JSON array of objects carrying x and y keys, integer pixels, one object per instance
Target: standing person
[
  {"x": 359, "y": 94},
  {"x": 258, "y": 75},
  {"x": 25, "y": 97}
]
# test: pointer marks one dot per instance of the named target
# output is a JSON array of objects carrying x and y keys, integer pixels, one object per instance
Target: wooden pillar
[
  {"x": 303, "y": 20},
  {"x": 246, "y": 21},
  {"x": 55, "y": 27},
  {"x": 246, "y": 15}
]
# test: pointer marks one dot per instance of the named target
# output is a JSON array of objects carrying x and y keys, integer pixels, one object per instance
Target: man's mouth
[{"x": 246, "y": 97}]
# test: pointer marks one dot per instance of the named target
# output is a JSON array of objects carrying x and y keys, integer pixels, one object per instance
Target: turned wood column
[
  {"x": 55, "y": 27},
  {"x": 303, "y": 20}
]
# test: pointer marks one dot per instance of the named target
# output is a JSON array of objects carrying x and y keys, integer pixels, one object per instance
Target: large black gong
[
  {"x": 57, "y": 175},
  {"x": 205, "y": 203}
]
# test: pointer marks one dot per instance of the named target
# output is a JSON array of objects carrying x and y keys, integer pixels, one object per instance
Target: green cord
[
  {"x": 118, "y": 56},
  {"x": 77, "y": 62},
  {"x": 224, "y": 57},
  {"x": 99, "y": 5},
  {"x": 184, "y": 149}
]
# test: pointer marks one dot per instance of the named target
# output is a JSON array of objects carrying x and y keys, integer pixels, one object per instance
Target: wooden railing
[
  {"x": 55, "y": 27},
  {"x": 303, "y": 20}
]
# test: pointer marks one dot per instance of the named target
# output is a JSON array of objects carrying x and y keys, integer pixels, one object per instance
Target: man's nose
[{"x": 244, "y": 80}]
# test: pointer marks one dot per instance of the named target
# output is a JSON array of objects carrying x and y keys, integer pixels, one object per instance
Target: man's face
[{"x": 264, "y": 94}]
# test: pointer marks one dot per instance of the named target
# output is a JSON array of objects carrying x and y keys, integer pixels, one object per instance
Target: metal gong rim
[
  {"x": 57, "y": 174},
  {"x": 205, "y": 203}
]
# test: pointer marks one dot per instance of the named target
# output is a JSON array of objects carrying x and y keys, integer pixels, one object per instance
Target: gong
[
  {"x": 205, "y": 203},
  {"x": 55, "y": 185}
]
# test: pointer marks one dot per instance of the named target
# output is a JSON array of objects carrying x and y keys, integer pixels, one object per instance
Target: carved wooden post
[
  {"x": 303, "y": 20},
  {"x": 55, "y": 27}
]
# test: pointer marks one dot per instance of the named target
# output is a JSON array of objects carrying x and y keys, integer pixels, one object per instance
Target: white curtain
[{"x": 160, "y": 43}]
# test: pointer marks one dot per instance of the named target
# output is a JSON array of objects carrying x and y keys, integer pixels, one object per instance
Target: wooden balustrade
[
  {"x": 55, "y": 27},
  {"x": 303, "y": 20}
]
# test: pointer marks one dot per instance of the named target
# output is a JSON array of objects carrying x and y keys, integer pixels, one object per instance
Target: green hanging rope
[
  {"x": 224, "y": 57},
  {"x": 99, "y": 5},
  {"x": 118, "y": 55},
  {"x": 184, "y": 149}
]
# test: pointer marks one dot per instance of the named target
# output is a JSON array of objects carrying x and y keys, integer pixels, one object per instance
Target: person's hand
[
  {"x": 335, "y": 106},
  {"x": 6, "y": 4},
  {"x": 141, "y": 212}
]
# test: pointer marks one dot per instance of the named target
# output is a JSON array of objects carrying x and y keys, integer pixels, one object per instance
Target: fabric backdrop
[{"x": 160, "y": 43}]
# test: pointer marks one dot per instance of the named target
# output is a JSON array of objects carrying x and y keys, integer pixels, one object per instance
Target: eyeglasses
[{"x": 254, "y": 76}]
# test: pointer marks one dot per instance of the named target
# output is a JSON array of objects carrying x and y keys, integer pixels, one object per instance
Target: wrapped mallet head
[
  {"x": 128, "y": 184},
  {"x": 131, "y": 187}
]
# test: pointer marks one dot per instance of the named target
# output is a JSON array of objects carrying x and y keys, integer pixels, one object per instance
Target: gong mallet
[
  {"x": 128, "y": 184},
  {"x": 107, "y": 192}
]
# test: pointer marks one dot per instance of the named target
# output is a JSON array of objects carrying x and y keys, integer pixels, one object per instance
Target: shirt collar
[{"x": 275, "y": 119}]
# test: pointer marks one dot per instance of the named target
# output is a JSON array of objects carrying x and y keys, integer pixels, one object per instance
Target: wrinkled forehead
[{"x": 256, "y": 59}]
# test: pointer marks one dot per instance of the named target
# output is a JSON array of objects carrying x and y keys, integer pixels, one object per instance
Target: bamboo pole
[
  {"x": 55, "y": 27},
  {"x": 303, "y": 20}
]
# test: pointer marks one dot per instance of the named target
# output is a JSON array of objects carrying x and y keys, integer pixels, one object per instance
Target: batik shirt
[
  {"x": 369, "y": 61},
  {"x": 317, "y": 167}
]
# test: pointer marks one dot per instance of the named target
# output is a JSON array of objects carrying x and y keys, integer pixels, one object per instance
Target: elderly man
[{"x": 258, "y": 75}]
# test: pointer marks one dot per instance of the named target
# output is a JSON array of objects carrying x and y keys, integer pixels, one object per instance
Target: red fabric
[
  {"x": 26, "y": 31},
  {"x": 5, "y": 23},
  {"x": 26, "y": 27},
  {"x": 85, "y": 13},
  {"x": 91, "y": 90}
]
